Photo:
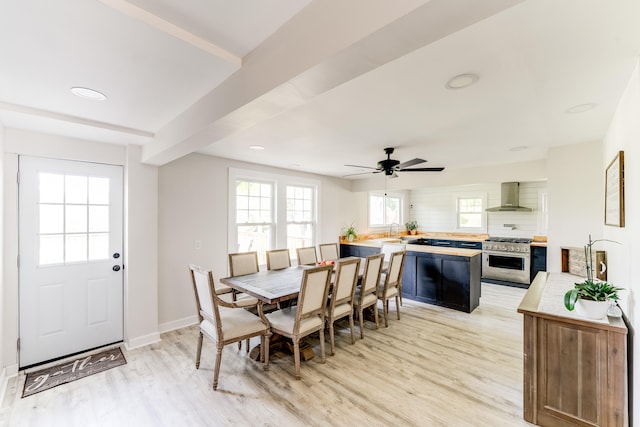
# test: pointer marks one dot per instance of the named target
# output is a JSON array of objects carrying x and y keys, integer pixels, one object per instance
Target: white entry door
[{"x": 71, "y": 277}]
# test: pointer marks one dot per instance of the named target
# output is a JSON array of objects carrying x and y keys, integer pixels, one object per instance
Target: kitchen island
[{"x": 445, "y": 276}]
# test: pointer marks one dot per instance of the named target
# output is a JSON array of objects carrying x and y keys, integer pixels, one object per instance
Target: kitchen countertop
[{"x": 377, "y": 243}]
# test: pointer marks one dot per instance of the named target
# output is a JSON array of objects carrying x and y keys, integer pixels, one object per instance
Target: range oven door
[{"x": 507, "y": 266}]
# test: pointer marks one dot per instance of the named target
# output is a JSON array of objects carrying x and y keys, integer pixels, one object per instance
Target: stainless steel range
[{"x": 507, "y": 258}]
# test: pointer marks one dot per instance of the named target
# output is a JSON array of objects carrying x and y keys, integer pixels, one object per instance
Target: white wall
[
  {"x": 141, "y": 212},
  {"x": 193, "y": 194},
  {"x": 3, "y": 372},
  {"x": 141, "y": 256},
  {"x": 624, "y": 134}
]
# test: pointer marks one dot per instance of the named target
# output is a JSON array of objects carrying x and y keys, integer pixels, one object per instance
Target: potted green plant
[
  {"x": 591, "y": 297},
  {"x": 412, "y": 227},
  {"x": 351, "y": 234}
]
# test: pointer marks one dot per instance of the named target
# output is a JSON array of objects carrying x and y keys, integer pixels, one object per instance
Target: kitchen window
[
  {"x": 384, "y": 209},
  {"x": 471, "y": 212}
]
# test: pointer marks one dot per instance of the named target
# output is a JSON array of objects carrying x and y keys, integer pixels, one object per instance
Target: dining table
[{"x": 271, "y": 287}]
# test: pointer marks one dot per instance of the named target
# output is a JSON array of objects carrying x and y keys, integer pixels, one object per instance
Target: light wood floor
[{"x": 434, "y": 367}]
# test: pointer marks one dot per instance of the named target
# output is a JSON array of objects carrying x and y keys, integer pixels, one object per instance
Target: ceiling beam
[
  {"x": 169, "y": 28},
  {"x": 325, "y": 45}
]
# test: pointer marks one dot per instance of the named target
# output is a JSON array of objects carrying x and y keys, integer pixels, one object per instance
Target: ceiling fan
[{"x": 390, "y": 166}]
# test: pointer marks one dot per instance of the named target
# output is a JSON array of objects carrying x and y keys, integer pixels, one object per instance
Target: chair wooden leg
[
  {"x": 353, "y": 337},
  {"x": 296, "y": 356},
  {"x": 385, "y": 311},
  {"x": 216, "y": 370},
  {"x": 247, "y": 345},
  {"x": 375, "y": 315},
  {"x": 239, "y": 345},
  {"x": 398, "y": 306},
  {"x": 199, "y": 350},
  {"x": 361, "y": 318},
  {"x": 322, "y": 352},
  {"x": 331, "y": 337},
  {"x": 400, "y": 293}
]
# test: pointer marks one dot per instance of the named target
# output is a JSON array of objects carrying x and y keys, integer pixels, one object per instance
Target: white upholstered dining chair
[
  {"x": 308, "y": 316},
  {"x": 388, "y": 249},
  {"x": 367, "y": 293},
  {"x": 277, "y": 259},
  {"x": 390, "y": 285},
  {"x": 340, "y": 303},
  {"x": 224, "y": 323},
  {"x": 329, "y": 251},
  {"x": 307, "y": 256}
]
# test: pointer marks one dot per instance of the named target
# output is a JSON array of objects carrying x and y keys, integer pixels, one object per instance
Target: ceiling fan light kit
[{"x": 390, "y": 166}]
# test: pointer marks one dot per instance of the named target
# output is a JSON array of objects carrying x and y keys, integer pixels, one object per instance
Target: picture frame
[{"x": 614, "y": 192}]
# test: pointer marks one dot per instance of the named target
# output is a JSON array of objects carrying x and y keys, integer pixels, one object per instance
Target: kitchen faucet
[{"x": 397, "y": 230}]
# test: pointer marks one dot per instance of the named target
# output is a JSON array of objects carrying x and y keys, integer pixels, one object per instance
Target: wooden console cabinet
[{"x": 575, "y": 369}]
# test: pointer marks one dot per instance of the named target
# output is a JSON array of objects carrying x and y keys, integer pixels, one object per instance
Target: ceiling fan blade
[
  {"x": 359, "y": 166},
  {"x": 421, "y": 170},
  {"x": 358, "y": 173},
  {"x": 410, "y": 163}
]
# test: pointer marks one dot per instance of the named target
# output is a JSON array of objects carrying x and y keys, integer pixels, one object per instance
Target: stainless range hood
[{"x": 510, "y": 200}]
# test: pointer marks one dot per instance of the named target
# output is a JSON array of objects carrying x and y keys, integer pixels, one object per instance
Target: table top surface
[{"x": 272, "y": 286}]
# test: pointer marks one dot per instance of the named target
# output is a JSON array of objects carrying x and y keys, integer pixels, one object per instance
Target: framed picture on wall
[{"x": 614, "y": 192}]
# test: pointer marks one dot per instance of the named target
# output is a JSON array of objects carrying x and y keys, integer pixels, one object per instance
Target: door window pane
[
  {"x": 98, "y": 246},
  {"x": 75, "y": 189},
  {"x": 98, "y": 191},
  {"x": 51, "y": 188},
  {"x": 51, "y": 249},
  {"x": 75, "y": 247},
  {"x": 75, "y": 219},
  {"x": 51, "y": 219},
  {"x": 98, "y": 219}
]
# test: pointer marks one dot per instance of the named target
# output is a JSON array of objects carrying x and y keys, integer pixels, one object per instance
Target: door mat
[{"x": 68, "y": 371}]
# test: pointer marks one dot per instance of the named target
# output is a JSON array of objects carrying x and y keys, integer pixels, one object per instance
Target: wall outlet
[{"x": 197, "y": 244}]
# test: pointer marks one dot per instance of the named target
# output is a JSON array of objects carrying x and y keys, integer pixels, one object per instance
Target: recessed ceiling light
[
  {"x": 518, "y": 148},
  {"x": 87, "y": 93},
  {"x": 581, "y": 108},
  {"x": 256, "y": 147},
  {"x": 461, "y": 81}
]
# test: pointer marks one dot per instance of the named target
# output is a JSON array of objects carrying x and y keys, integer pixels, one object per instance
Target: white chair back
[
  {"x": 372, "y": 270},
  {"x": 329, "y": 251},
  {"x": 314, "y": 289},
  {"x": 242, "y": 263},
  {"x": 394, "y": 270},
  {"x": 389, "y": 248},
  {"x": 203, "y": 285},
  {"x": 346, "y": 281},
  {"x": 278, "y": 259},
  {"x": 307, "y": 256}
]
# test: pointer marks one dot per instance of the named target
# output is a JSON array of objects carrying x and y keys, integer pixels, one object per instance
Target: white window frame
[
  {"x": 280, "y": 183},
  {"x": 483, "y": 213},
  {"x": 399, "y": 196}
]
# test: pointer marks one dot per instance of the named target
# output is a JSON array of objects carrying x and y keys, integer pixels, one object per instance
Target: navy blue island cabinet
[
  {"x": 448, "y": 280},
  {"x": 433, "y": 277}
]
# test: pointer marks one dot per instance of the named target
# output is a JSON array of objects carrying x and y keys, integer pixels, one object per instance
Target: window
[
  {"x": 470, "y": 213},
  {"x": 254, "y": 216},
  {"x": 268, "y": 211},
  {"x": 300, "y": 217},
  {"x": 73, "y": 218},
  {"x": 384, "y": 209}
]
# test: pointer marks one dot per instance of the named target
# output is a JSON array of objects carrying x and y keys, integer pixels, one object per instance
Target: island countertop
[{"x": 377, "y": 243}]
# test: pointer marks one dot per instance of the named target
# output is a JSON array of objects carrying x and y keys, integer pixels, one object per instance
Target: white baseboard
[
  {"x": 178, "y": 324},
  {"x": 137, "y": 342}
]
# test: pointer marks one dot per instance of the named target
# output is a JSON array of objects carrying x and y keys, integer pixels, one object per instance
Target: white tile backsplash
[{"x": 435, "y": 210}]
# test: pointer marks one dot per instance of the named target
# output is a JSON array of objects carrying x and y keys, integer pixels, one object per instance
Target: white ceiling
[{"x": 319, "y": 84}]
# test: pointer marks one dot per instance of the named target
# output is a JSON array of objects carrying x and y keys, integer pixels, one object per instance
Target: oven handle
[{"x": 508, "y": 254}]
